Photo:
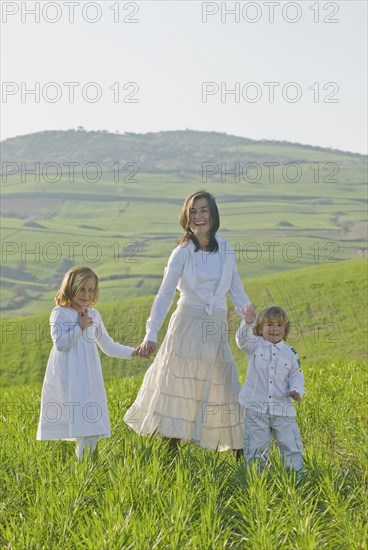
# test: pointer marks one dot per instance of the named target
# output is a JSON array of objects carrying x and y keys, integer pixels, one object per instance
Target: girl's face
[
  {"x": 273, "y": 330},
  {"x": 84, "y": 296},
  {"x": 200, "y": 217}
]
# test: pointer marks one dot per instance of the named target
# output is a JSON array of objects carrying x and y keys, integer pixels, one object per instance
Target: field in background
[
  {"x": 126, "y": 230},
  {"x": 326, "y": 305},
  {"x": 298, "y": 244}
]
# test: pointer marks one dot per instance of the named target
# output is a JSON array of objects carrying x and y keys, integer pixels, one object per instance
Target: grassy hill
[
  {"x": 309, "y": 210},
  {"x": 299, "y": 242},
  {"x": 132, "y": 495},
  {"x": 176, "y": 152},
  {"x": 326, "y": 304}
]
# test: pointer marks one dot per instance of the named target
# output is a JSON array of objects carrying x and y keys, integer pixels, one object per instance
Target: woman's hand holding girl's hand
[
  {"x": 146, "y": 348},
  {"x": 84, "y": 320}
]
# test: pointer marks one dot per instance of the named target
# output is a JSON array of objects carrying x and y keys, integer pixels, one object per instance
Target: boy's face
[{"x": 273, "y": 330}]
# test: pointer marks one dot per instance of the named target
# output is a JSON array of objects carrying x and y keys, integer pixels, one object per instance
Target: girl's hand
[
  {"x": 84, "y": 320},
  {"x": 295, "y": 395}
]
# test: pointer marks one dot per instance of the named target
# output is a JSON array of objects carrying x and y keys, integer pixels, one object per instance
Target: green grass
[
  {"x": 326, "y": 305},
  {"x": 133, "y": 496}
]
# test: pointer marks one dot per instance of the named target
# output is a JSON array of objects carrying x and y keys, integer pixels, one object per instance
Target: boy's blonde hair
[
  {"x": 272, "y": 313},
  {"x": 72, "y": 282}
]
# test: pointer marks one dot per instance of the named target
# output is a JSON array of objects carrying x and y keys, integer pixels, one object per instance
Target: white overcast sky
[{"x": 172, "y": 50}]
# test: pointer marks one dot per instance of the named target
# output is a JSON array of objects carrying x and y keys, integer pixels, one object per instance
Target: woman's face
[{"x": 200, "y": 217}]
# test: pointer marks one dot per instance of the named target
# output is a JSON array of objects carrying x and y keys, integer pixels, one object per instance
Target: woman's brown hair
[{"x": 184, "y": 220}]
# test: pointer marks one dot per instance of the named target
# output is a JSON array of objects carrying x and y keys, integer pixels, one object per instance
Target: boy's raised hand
[{"x": 250, "y": 313}]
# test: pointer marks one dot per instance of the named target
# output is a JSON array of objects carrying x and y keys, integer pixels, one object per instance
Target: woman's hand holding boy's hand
[
  {"x": 295, "y": 395},
  {"x": 250, "y": 313}
]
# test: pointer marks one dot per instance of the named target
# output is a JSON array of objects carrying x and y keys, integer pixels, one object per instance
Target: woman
[{"x": 191, "y": 389}]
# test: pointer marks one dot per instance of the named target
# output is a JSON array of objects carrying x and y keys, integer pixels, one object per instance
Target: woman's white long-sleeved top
[
  {"x": 182, "y": 273},
  {"x": 74, "y": 400},
  {"x": 273, "y": 371}
]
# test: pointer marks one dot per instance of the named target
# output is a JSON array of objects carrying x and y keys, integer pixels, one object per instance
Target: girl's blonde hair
[
  {"x": 72, "y": 283},
  {"x": 272, "y": 313}
]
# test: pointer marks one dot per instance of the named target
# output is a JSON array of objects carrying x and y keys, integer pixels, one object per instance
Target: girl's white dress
[
  {"x": 74, "y": 400},
  {"x": 191, "y": 389}
]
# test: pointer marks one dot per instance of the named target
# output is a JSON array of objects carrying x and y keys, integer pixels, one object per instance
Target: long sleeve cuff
[
  {"x": 244, "y": 329},
  {"x": 245, "y": 338},
  {"x": 151, "y": 336}
]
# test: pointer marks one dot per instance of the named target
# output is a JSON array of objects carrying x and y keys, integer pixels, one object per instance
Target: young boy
[{"x": 273, "y": 381}]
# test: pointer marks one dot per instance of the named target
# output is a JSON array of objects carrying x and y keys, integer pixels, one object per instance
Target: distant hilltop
[{"x": 167, "y": 151}]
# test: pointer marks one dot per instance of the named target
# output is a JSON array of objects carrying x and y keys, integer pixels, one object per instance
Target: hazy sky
[{"x": 294, "y": 71}]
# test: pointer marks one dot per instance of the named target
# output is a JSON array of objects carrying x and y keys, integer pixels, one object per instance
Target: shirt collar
[{"x": 279, "y": 345}]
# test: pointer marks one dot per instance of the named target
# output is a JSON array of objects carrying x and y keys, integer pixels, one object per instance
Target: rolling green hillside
[
  {"x": 326, "y": 305},
  {"x": 283, "y": 206}
]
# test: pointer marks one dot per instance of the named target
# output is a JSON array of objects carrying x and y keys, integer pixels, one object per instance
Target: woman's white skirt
[{"x": 191, "y": 389}]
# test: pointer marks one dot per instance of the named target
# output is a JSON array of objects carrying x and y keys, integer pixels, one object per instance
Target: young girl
[{"x": 74, "y": 405}]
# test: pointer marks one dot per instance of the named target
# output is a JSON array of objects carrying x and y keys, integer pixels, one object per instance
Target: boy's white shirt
[
  {"x": 273, "y": 371},
  {"x": 181, "y": 273}
]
